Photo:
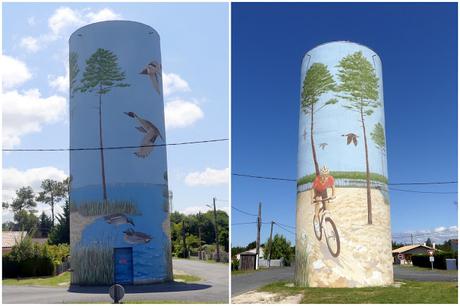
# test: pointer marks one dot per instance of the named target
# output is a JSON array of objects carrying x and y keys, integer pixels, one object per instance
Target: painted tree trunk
[
  {"x": 368, "y": 176},
  {"x": 101, "y": 146},
  {"x": 313, "y": 149}
]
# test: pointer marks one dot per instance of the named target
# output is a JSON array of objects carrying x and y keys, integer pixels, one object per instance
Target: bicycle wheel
[
  {"x": 332, "y": 237},
  {"x": 317, "y": 227}
]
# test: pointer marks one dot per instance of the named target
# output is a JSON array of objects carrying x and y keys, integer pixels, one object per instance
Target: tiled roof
[
  {"x": 410, "y": 247},
  {"x": 11, "y": 238}
]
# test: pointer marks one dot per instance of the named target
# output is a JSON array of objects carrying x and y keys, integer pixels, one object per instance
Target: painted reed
[
  {"x": 92, "y": 265},
  {"x": 100, "y": 208}
]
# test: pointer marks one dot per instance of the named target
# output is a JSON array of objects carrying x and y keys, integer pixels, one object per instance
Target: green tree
[
  {"x": 101, "y": 75},
  {"x": 360, "y": 87},
  {"x": 44, "y": 224},
  {"x": 25, "y": 200},
  {"x": 428, "y": 242},
  {"x": 378, "y": 136},
  {"x": 73, "y": 71},
  {"x": 318, "y": 81},
  {"x": 8, "y": 226},
  {"x": 281, "y": 248},
  {"x": 26, "y": 221},
  {"x": 53, "y": 192},
  {"x": 5, "y": 205},
  {"x": 61, "y": 232},
  {"x": 223, "y": 239}
]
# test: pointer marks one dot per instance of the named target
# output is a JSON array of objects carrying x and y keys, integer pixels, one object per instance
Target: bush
[
  {"x": 439, "y": 260},
  {"x": 28, "y": 259},
  {"x": 235, "y": 264}
]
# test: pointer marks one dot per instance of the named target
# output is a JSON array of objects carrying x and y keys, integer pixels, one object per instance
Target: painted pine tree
[
  {"x": 318, "y": 81},
  {"x": 101, "y": 75},
  {"x": 359, "y": 86},
  {"x": 378, "y": 136}
]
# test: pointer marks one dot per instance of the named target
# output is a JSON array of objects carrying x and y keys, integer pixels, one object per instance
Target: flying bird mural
[
  {"x": 322, "y": 145},
  {"x": 153, "y": 70},
  {"x": 351, "y": 137},
  {"x": 151, "y": 134}
]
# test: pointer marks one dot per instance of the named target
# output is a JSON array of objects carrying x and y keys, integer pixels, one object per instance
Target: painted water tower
[
  {"x": 119, "y": 220},
  {"x": 343, "y": 210}
]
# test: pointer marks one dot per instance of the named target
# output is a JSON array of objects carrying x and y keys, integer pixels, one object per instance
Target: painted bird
[
  {"x": 118, "y": 219},
  {"x": 151, "y": 134},
  {"x": 322, "y": 145},
  {"x": 351, "y": 137},
  {"x": 133, "y": 237},
  {"x": 153, "y": 70}
]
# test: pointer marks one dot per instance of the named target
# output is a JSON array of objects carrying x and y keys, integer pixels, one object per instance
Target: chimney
[
  {"x": 434, "y": 245},
  {"x": 424, "y": 244}
]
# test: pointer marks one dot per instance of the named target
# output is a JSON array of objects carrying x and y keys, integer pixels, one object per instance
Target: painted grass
[
  {"x": 356, "y": 175},
  {"x": 57, "y": 281},
  {"x": 92, "y": 265},
  {"x": 99, "y": 208},
  {"x": 410, "y": 292}
]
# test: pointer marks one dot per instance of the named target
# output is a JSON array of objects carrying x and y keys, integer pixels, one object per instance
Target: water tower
[
  {"x": 119, "y": 220},
  {"x": 343, "y": 210}
]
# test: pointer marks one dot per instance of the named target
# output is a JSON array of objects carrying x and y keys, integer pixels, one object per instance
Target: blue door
[{"x": 123, "y": 265}]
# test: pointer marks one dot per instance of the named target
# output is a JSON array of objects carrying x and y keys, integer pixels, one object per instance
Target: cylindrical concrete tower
[
  {"x": 343, "y": 213},
  {"x": 119, "y": 220}
]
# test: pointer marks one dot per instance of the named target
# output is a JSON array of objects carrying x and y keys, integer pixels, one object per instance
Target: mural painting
[
  {"x": 343, "y": 217},
  {"x": 119, "y": 214}
]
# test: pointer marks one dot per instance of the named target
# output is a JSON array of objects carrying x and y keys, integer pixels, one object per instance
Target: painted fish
[
  {"x": 136, "y": 237},
  {"x": 118, "y": 219}
]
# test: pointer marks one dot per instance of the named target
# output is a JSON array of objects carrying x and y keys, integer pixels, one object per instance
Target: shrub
[
  {"x": 439, "y": 260},
  {"x": 235, "y": 264}
]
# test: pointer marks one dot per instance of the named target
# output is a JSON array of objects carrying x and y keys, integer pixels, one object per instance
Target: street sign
[
  {"x": 401, "y": 256},
  {"x": 430, "y": 252},
  {"x": 431, "y": 258}
]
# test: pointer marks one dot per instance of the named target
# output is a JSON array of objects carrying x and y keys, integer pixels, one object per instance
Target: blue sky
[
  {"x": 195, "y": 50},
  {"x": 417, "y": 44}
]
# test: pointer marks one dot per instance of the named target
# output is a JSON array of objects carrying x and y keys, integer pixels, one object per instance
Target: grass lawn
[
  {"x": 410, "y": 292},
  {"x": 64, "y": 280},
  {"x": 415, "y": 268},
  {"x": 238, "y": 272},
  {"x": 60, "y": 280}
]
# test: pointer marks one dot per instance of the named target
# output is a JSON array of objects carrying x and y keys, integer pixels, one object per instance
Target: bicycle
[{"x": 329, "y": 228}]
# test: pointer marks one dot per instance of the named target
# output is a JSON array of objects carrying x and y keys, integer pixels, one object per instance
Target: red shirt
[{"x": 320, "y": 187}]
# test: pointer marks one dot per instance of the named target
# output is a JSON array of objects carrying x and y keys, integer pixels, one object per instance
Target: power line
[
  {"x": 418, "y": 191},
  {"x": 117, "y": 147},
  {"x": 293, "y": 227},
  {"x": 390, "y": 184},
  {"x": 244, "y": 212},
  {"x": 243, "y": 223},
  {"x": 282, "y": 227}
]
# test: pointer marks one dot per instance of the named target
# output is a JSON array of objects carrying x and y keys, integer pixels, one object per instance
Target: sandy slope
[{"x": 365, "y": 250}]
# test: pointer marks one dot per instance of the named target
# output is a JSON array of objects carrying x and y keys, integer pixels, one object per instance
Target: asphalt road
[
  {"x": 245, "y": 282},
  {"x": 213, "y": 287},
  {"x": 242, "y": 283}
]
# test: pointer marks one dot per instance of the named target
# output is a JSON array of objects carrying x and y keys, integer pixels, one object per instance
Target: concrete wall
[
  {"x": 119, "y": 197},
  {"x": 345, "y": 241}
]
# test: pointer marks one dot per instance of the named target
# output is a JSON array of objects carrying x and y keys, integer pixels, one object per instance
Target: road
[
  {"x": 213, "y": 287},
  {"x": 245, "y": 282},
  {"x": 242, "y": 283}
]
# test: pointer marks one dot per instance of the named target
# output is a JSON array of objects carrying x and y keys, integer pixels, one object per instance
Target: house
[
  {"x": 251, "y": 251},
  {"x": 403, "y": 254},
  {"x": 10, "y": 239}
]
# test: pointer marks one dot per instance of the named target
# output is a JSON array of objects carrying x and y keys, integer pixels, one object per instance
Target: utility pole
[
  {"x": 270, "y": 244},
  {"x": 412, "y": 239},
  {"x": 259, "y": 225},
  {"x": 216, "y": 230},
  {"x": 183, "y": 240}
]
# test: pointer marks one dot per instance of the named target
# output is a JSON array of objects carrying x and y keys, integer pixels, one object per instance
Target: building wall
[
  {"x": 349, "y": 243},
  {"x": 119, "y": 198}
]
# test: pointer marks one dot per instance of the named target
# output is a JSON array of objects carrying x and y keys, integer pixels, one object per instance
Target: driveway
[
  {"x": 213, "y": 287},
  {"x": 242, "y": 283}
]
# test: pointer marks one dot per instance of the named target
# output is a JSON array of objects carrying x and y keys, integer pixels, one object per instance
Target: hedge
[
  {"x": 354, "y": 175},
  {"x": 439, "y": 260}
]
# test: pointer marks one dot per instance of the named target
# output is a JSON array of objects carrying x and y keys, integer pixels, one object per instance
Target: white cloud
[
  {"x": 207, "y": 177},
  {"x": 30, "y": 44},
  {"x": 173, "y": 83},
  {"x": 436, "y": 235},
  {"x": 63, "y": 21},
  {"x": 14, "y": 72},
  {"x": 64, "y": 18},
  {"x": 104, "y": 14},
  {"x": 181, "y": 113},
  {"x": 27, "y": 112},
  {"x": 14, "y": 179},
  {"x": 60, "y": 83}
]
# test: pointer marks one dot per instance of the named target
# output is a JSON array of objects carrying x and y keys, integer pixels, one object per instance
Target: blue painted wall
[{"x": 136, "y": 211}]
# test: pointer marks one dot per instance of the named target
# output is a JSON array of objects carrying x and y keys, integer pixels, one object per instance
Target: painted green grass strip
[
  {"x": 92, "y": 265},
  {"x": 356, "y": 175},
  {"x": 100, "y": 208}
]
